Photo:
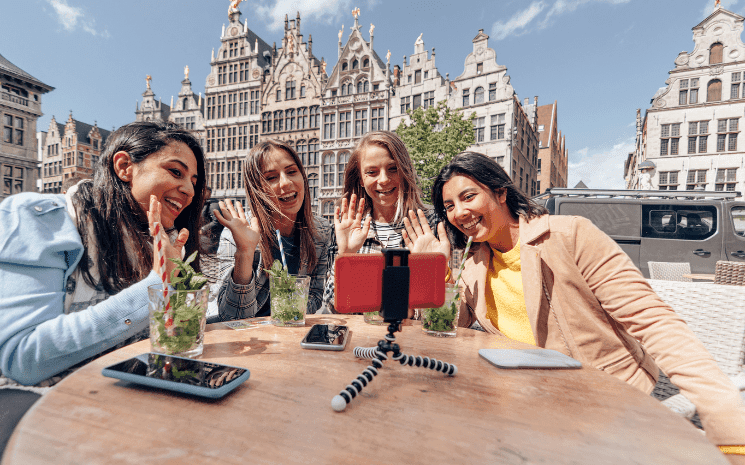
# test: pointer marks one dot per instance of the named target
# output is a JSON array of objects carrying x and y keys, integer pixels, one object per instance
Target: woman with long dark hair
[
  {"x": 558, "y": 282},
  {"x": 74, "y": 268},
  {"x": 278, "y": 199}
]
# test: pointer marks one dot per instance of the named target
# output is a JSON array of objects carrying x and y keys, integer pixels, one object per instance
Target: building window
[
  {"x": 479, "y": 68},
  {"x": 714, "y": 91},
  {"x": 429, "y": 99},
  {"x": 405, "y": 104},
  {"x": 418, "y": 76},
  {"x": 278, "y": 119},
  {"x": 8, "y": 129},
  {"x": 328, "y": 211},
  {"x": 254, "y": 102},
  {"x": 478, "y": 95},
  {"x": 466, "y": 99},
  {"x": 727, "y": 131},
  {"x": 478, "y": 129},
  {"x": 340, "y": 167},
  {"x": 290, "y": 119},
  {"x": 726, "y": 179},
  {"x": 302, "y": 118},
  {"x": 696, "y": 178},
  {"x": 315, "y": 116},
  {"x": 360, "y": 122},
  {"x": 328, "y": 170},
  {"x": 302, "y": 91},
  {"x": 81, "y": 159},
  {"x": 668, "y": 181},
  {"x": 329, "y": 126},
  {"x": 289, "y": 90},
  {"x": 302, "y": 152},
  {"x": 492, "y": 91},
  {"x": 363, "y": 86},
  {"x": 376, "y": 123},
  {"x": 355, "y": 64},
  {"x": 313, "y": 187},
  {"x": 697, "y": 136},
  {"x": 313, "y": 152},
  {"x": 417, "y": 101},
  {"x": 344, "y": 66},
  {"x": 538, "y": 167},
  {"x": 343, "y": 89},
  {"x": 669, "y": 139},
  {"x": 735, "y": 89},
  {"x": 345, "y": 124},
  {"x": 279, "y": 95},
  {"x": 409, "y": 79},
  {"x": 715, "y": 53},
  {"x": 266, "y": 123},
  {"x": 497, "y": 126}
]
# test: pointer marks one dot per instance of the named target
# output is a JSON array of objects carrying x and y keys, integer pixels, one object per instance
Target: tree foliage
[{"x": 433, "y": 137}]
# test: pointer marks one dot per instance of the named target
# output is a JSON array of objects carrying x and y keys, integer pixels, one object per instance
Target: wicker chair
[
  {"x": 670, "y": 271},
  {"x": 716, "y": 315},
  {"x": 730, "y": 273}
]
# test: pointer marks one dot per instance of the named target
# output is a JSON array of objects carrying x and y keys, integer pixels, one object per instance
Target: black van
[{"x": 698, "y": 227}]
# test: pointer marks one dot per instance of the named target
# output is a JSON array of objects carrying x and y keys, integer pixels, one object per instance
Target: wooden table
[
  {"x": 283, "y": 413},
  {"x": 699, "y": 276}
]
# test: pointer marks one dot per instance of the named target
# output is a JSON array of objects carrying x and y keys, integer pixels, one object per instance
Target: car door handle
[
  {"x": 738, "y": 254},
  {"x": 701, "y": 252}
]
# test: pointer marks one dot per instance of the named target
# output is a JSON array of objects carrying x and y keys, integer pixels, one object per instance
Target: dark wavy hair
[
  {"x": 264, "y": 208},
  {"x": 488, "y": 173},
  {"x": 118, "y": 222}
]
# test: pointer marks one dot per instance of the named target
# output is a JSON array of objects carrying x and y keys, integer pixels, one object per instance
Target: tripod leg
[
  {"x": 426, "y": 362},
  {"x": 340, "y": 402}
]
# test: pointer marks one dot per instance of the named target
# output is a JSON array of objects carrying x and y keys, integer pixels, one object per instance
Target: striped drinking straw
[
  {"x": 281, "y": 250},
  {"x": 158, "y": 245}
]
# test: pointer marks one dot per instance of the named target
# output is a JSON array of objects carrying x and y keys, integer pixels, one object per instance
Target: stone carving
[
  {"x": 419, "y": 40},
  {"x": 290, "y": 43},
  {"x": 659, "y": 103},
  {"x": 645, "y": 181},
  {"x": 234, "y": 6},
  {"x": 388, "y": 57},
  {"x": 716, "y": 71},
  {"x": 734, "y": 53},
  {"x": 372, "y": 28},
  {"x": 233, "y": 31},
  {"x": 148, "y": 78},
  {"x": 341, "y": 32},
  {"x": 186, "y": 72},
  {"x": 682, "y": 59}
]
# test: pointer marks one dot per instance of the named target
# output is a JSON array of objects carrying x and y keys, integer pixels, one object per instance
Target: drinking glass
[
  {"x": 443, "y": 321},
  {"x": 289, "y": 299},
  {"x": 178, "y": 329}
]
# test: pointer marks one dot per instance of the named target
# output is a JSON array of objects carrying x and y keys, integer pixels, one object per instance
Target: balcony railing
[{"x": 13, "y": 98}]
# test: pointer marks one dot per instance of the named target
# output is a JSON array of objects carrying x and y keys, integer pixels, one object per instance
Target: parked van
[{"x": 697, "y": 227}]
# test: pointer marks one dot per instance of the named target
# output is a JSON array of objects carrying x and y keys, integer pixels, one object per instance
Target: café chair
[
  {"x": 732, "y": 273},
  {"x": 670, "y": 271},
  {"x": 716, "y": 315}
]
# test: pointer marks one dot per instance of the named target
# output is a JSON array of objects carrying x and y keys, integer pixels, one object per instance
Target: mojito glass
[
  {"x": 289, "y": 299},
  {"x": 177, "y": 321},
  {"x": 443, "y": 321}
]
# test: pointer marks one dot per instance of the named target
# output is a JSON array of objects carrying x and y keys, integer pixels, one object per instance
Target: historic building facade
[
  {"x": 188, "y": 111},
  {"x": 151, "y": 109},
  {"x": 355, "y": 101},
  {"x": 689, "y": 138},
  {"x": 71, "y": 151},
  {"x": 553, "y": 159},
  {"x": 20, "y": 108},
  {"x": 291, "y": 100}
]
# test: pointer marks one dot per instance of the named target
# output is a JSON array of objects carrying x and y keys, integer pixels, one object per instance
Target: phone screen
[
  {"x": 179, "y": 370},
  {"x": 327, "y": 335}
]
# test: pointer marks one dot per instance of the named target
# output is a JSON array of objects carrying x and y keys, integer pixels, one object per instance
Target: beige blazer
[{"x": 585, "y": 298}]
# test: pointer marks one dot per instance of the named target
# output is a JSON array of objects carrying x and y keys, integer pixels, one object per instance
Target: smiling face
[
  {"x": 380, "y": 178},
  {"x": 169, "y": 174},
  {"x": 286, "y": 182},
  {"x": 480, "y": 213}
]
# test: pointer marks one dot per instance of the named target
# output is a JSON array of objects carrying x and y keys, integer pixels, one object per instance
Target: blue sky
[{"x": 600, "y": 59}]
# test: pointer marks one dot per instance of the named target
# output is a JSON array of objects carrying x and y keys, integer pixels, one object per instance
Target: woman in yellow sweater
[{"x": 560, "y": 283}]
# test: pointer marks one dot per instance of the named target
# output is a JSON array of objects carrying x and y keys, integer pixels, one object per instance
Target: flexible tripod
[{"x": 395, "y": 304}]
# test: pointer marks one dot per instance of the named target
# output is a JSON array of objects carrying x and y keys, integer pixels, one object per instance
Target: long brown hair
[
  {"x": 263, "y": 207},
  {"x": 119, "y": 224},
  {"x": 410, "y": 197}
]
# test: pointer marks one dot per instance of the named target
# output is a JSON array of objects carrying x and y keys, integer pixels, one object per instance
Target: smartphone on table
[
  {"x": 326, "y": 337},
  {"x": 179, "y": 374}
]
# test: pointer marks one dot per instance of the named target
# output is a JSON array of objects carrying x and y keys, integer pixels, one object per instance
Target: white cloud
[
  {"x": 519, "y": 23},
  {"x": 709, "y": 7},
  {"x": 71, "y": 17},
  {"x": 323, "y": 11},
  {"x": 600, "y": 168}
]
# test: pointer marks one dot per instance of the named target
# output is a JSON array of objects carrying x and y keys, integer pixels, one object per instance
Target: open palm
[
  {"x": 168, "y": 249},
  {"x": 350, "y": 231},
  {"x": 246, "y": 234},
  {"x": 418, "y": 236}
]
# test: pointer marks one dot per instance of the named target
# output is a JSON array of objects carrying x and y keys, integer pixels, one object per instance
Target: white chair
[
  {"x": 716, "y": 315},
  {"x": 670, "y": 271}
]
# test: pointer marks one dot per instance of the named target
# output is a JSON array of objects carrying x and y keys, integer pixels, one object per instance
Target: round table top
[{"x": 283, "y": 413}]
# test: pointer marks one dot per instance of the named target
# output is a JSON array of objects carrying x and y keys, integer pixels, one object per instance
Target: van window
[
  {"x": 688, "y": 222},
  {"x": 738, "y": 220}
]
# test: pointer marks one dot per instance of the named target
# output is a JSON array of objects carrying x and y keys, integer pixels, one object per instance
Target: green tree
[{"x": 433, "y": 137}]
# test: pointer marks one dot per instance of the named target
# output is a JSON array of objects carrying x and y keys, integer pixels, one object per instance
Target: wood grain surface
[{"x": 410, "y": 415}]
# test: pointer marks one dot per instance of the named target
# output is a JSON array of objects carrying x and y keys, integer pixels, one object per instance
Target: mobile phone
[
  {"x": 326, "y": 337},
  {"x": 528, "y": 358},
  {"x": 179, "y": 374},
  {"x": 359, "y": 281}
]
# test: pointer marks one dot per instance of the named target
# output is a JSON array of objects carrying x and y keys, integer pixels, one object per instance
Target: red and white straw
[{"x": 158, "y": 244}]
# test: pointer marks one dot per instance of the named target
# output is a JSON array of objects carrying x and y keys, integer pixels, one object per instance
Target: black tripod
[{"x": 395, "y": 305}]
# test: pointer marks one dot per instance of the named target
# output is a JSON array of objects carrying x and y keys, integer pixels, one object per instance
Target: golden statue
[
  {"x": 341, "y": 32},
  {"x": 234, "y": 6},
  {"x": 356, "y": 13},
  {"x": 186, "y": 72},
  {"x": 148, "y": 78},
  {"x": 372, "y": 28},
  {"x": 323, "y": 66},
  {"x": 717, "y": 4}
]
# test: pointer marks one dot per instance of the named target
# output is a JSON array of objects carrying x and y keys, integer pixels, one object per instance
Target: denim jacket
[
  {"x": 40, "y": 247},
  {"x": 237, "y": 301}
]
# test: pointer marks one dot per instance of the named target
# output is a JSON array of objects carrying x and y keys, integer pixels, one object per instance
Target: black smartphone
[
  {"x": 326, "y": 337},
  {"x": 179, "y": 374}
]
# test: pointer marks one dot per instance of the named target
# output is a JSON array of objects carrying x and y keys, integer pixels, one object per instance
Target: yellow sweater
[{"x": 505, "y": 301}]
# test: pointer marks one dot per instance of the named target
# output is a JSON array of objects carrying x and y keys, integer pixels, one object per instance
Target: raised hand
[
  {"x": 350, "y": 231},
  {"x": 170, "y": 249},
  {"x": 418, "y": 236},
  {"x": 246, "y": 234}
]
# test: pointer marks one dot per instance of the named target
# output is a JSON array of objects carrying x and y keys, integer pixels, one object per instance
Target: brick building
[{"x": 553, "y": 158}]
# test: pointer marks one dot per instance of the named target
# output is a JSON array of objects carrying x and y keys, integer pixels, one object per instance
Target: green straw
[{"x": 463, "y": 261}]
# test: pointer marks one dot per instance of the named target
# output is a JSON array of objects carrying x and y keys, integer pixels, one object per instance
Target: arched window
[
  {"x": 714, "y": 91},
  {"x": 359, "y": 87},
  {"x": 478, "y": 96},
  {"x": 350, "y": 88},
  {"x": 366, "y": 87},
  {"x": 302, "y": 118},
  {"x": 313, "y": 152},
  {"x": 290, "y": 120},
  {"x": 328, "y": 170},
  {"x": 278, "y": 120},
  {"x": 341, "y": 166},
  {"x": 355, "y": 64},
  {"x": 302, "y": 91},
  {"x": 185, "y": 105},
  {"x": 715, "y": 53},
  {"x": 302, "y": 152},
  {"x": 344, "y": 66},
  {"x": 315, "y": 117},
  {"x": 328, "y": 211},
  {"x": 266, "y": 122},
  {"x": 313, "y": 187},
  {"x": 366, "y": 63},
  {"x": 343, "y": 90}
]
